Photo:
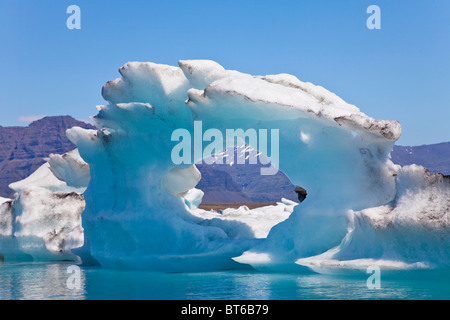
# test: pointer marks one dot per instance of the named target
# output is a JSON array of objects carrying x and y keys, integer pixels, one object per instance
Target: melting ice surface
[{"x": 120, "y": 202}]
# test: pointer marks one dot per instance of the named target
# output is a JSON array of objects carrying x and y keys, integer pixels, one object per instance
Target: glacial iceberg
[
  {"x": 136, "y": 216},
  {"x": 43, "y": 221},
  {"x": 141, "y": 210}
]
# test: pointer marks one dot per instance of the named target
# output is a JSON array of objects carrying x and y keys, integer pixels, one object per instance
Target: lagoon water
[{"x": 50, "y": 281}]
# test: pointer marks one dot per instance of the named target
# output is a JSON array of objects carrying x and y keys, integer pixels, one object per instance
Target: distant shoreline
[{"x": 216, "y": 206}]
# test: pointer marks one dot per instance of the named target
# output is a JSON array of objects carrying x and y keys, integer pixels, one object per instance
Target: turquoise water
[{"x": 50, "y": 281}]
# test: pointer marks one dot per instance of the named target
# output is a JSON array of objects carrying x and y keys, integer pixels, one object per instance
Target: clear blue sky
[{"x": 400, "y": 72}]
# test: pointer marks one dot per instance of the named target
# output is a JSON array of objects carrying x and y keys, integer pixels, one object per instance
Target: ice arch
[{"x": 134, "y": 214}]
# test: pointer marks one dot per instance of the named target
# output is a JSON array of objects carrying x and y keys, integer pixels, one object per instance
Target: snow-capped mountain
[{"x": 240, "y": 181}]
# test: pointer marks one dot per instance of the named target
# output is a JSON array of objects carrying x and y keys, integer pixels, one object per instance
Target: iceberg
[
  {"x": 141, "y": 210},
  {"x": 135, "y": 214},
  {"x": 43, "y": 221}
]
